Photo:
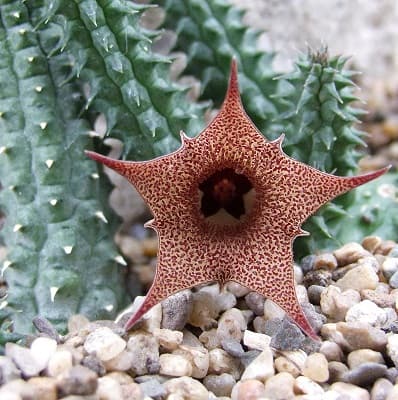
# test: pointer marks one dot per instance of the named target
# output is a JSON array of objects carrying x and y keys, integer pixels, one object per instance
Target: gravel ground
[{"x": 203, "y": 344}]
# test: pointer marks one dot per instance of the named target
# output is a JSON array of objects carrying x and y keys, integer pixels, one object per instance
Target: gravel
[{"x": 201, "y": 344}]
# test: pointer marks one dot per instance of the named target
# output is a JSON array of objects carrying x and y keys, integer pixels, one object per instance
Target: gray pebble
[
  {"x": 232, "y": 347},
  {"x": 314, "y": 294},
  {"x": 319, "y": 277},
  {"x": 95, "y": 364},
  {"x": 176, "y": 310},
  {"x": 288, "y": 337},
  {"x": 392, "y": 374},
  {"x": 249, "y": 356},
  {"x": 310, "y": 345},
  {"x": 394, "y": 280},
  {"x": 255, "y": 302},
  {"x": 220, "y": 385},
  {"x": 153, "y": 388},
  {"x": 78, "y": 380},
  {"x": 336, "y": 371},
  {"x": 43, "y": 325},
  {"x": 315, "y": 319},
  {"x": 8, "y": 370},
  {"x": 272, "y": 326},
  {"x": 364, "y": 374},
  {"x": 23, "y": 359},
  {"x": 393, "y": 252},
  {"x": 307, "y": 263},
  {"x": 380, "y": 389},
  {"x": 145, "y": 349},
  {"x": 259, "y": 324}
]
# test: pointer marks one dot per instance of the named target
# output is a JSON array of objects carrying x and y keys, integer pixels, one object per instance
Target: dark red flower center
[{"x": 225, "y": 189}]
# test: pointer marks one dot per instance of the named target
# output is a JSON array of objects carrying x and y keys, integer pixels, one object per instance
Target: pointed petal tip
[
  {"x": 233, "y": 86},
  {"x": 361, "y": 179}
]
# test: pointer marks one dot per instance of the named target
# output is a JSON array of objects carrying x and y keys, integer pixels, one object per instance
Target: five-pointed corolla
[{"x": 227, "y": 206}]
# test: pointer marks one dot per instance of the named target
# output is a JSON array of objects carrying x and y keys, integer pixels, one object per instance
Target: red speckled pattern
[{"x": 257, "y": 251}]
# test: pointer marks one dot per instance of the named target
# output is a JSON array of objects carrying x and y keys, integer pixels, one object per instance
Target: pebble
[
  {"x": 364, "y": 374},
  {"x": 95, "y": 364},
  {"x": 248, "y": 390},
  {"x": 394, "y": 280},
  {"x": 314, "y": 293},
  {"x": 287, "y": 337},
  {"x": 236, "y": 289},
  {"x": 122, "y": 362},
  {"x": 204, "y": 310},
  {"x": 305, "y": 385},
  {"x": 358, "y": 357},
  {"x": 42, "y": 349},
  {"x": 232, "y": 347},
  {"x": 379, "y": 298},
  {"x": 371, "y": 243},
  {"x": 45, "y": 387},
  {"x": 168, "y": 339},
  {"x": 272, "y": 310},
  {"x": 174, "y": 365},
  {"x": 132, "y": 391},
  {"x": 359, "y": 278},
  {"x": 380, "y": 389},
  {"x": 331, "y": 351},
  {"x": 316, "y": 367},
  {"x": 335, "y": 303},
  {"x": 109, "y": 389},
  {"x": 319, "y": 277},
  {"x": 389, "y": 268},
  {"x": 283, "y": 364},
  {"x": 255, "y": 302},
  {"x": 393, "y": 394},
  {"x": 77, "y": 322},
  {"x": 220, "y": 385},
  {"x": 19, "y": 387},
  {"x": 43, "y": 325},
  {"x": 23, "y": 359},
  {"x": 368, "y": 312},
  {"x": 231, "y": 324},
  {"x": 351, "y": 392},
  {"x": 221, "y": 362},
  {"x": 187, "y": 388},
  {"x": 280, "y": 387},
  {"x": 255, "y": 340},
  {"x": 392, "y": 348},
  {"x": 176, "y": 309},
  {"x": 315, "y": 319},
  {"x": 152, "y": 388},
  {"x": 60, "y": 362},
  {"x": 210, "y": 339},
  {"x": 8, "y": 370},
  {"x": 261, "y": 368},
  {"x": 145, "y": 350},
  {"x": 350, "y": 253},
  {"x": 325, "y": 261},
  {"x": 77, "y": 380},
  {"x": 199, "y": 358},
  {"x": 104, "y": 344}
]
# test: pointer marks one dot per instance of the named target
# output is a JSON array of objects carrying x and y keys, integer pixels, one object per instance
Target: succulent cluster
[{"x": 64, "y": 62}]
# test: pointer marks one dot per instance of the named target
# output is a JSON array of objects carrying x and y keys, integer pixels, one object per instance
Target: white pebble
[
  {"x": 198, "y": 357},
  {"x": 368, "y": 312},
  {"x": 359, "y": 278},
  {"x": 261, "y": 368},
  {"x": 187, "y": 388},
  {"x": 174, "y": 365},
  {"x": 104, "y": 344},
  {"x": 231, "y": 325},
  {"x": 59, "y": 362},
  {"x": 122, "y": 362},
  {"x": 168, "y": 339},
  {"x": 358, "y": 357},
  {"x": 109, "y": 389},
  {"x": 349, "y": 391},
  {"x": 305, "y": 385},
  {"x": 257, "y": 341},
  {"x": 42, "y": 349},
  {"x": 392, "y": 348},
  {"x": 280, "y": 387},
  {"x": 272, "y": 310},
  {"x": 316, "y": 367},
  {"x": 335, "y": 303}
]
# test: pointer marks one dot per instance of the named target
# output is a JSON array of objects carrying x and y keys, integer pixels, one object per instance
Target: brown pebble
[
  {"x": 45, "y": 388},
  {"x": 78, "y": 380},
  {"x": 371, "y": 243},
  {"x": 350, "y": 253},
  {"x": 325, "y": 261}
]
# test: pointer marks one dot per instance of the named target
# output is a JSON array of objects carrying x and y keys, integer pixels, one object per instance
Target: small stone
[
  {"x": 371, "y": 243},
  {"x": 248, "y": 390},
  {"x": 231, "y": 325},
  {"x": 145, "y": 350},
  {"x": 152, "y": 388},
  {"x": 314, "y": 293},
  {"x": 60, "y": 362},
  {"x": 336, "y": 371},
  {"x": 368, "y": 312},
  {"x": 305, "y": 385},
  {"x": 187, "y": 388},
  {"x": 392, "y": 348},
  {"x": 351, "y": 392},
  {"x": 380, "y": 390},
  {"x": 199, "y": 358},
  {"x": 122, "y": 362},
  {"x": 280, "y": 387},
  {"x": 95, "y": 364},
  {"x": 298, "y": 274},
  {"x": 176, "y": 310},
  {"x": 288, "y": 337},
  {"x": 8, "y": 395},
  {"x": 307, "y": 263},
  {"x": 204, "y": 310},
  {"x": 315, "y": 319},
  {"x": 359, "y": 278},
  {"x": 389, "y": 268},
  {"x": 104, "y": 344},
  {"x": 43, "y": 325},
  {"x": 77, "y": 322},
  {"x": 325, "y": 261},
  {"x": 131, "y": 391},
  {"x": 393, "y": 394},
  {"x": 361, "y": 356},
  {"x": 257, "y": 341},
  {"x": 168, "y": 339},
  {"x": 394, "y": 280},
  {"x": 301, "y": 292},
  {"x": 319, "y": 277},
  {"x": 109, "y": 389},
  {"x": 259, "y": 324},
  {"x": 8, "y": 370},
  {"x": 78, "y": 380},
  {"x": 255, "y": 302},
  {"x": 210, "y": 339},
  {"x": 283, "y": 364},
  {"x": 316, "y": 367},
  {"x": 381, "y": 299},
  {"x": 272, "y": 310},
  {"x": 221, "y": 362},
  {"x": 220, "y": 385},
  {"x": 331, "y": 351},
  {"x": 45, "y": 388},
  {"x": 23, "y": 359},
  {"x": 392, "y": 374},
  {"x": 232, "y": 347},
  {"x": 42, "y": 349},
  {"x": 335, "y": 303},
  {"x": 174, "y": 365},
  {"x": 20, "y": 388},
  {"x": 362, "y": 336},
  {"x": 364, "y": 374},
  {"x": 350, "y": 253},
  {"x": 261, "y": 368},
  {"x": 237, "y": 289}
]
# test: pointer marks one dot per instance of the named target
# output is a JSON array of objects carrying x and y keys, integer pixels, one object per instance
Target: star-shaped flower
[{"x": 227, "y": 206}]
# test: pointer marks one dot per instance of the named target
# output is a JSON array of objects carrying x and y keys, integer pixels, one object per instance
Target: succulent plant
[
  {"x": 58, "y": 229},
  {"x": 233, "y": 209}
]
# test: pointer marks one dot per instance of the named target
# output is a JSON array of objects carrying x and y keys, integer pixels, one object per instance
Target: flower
[{"x": 227, "y": 206}]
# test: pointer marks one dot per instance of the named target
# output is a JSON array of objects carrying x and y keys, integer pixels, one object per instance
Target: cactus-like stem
[{"x": 61, "y": 258}]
